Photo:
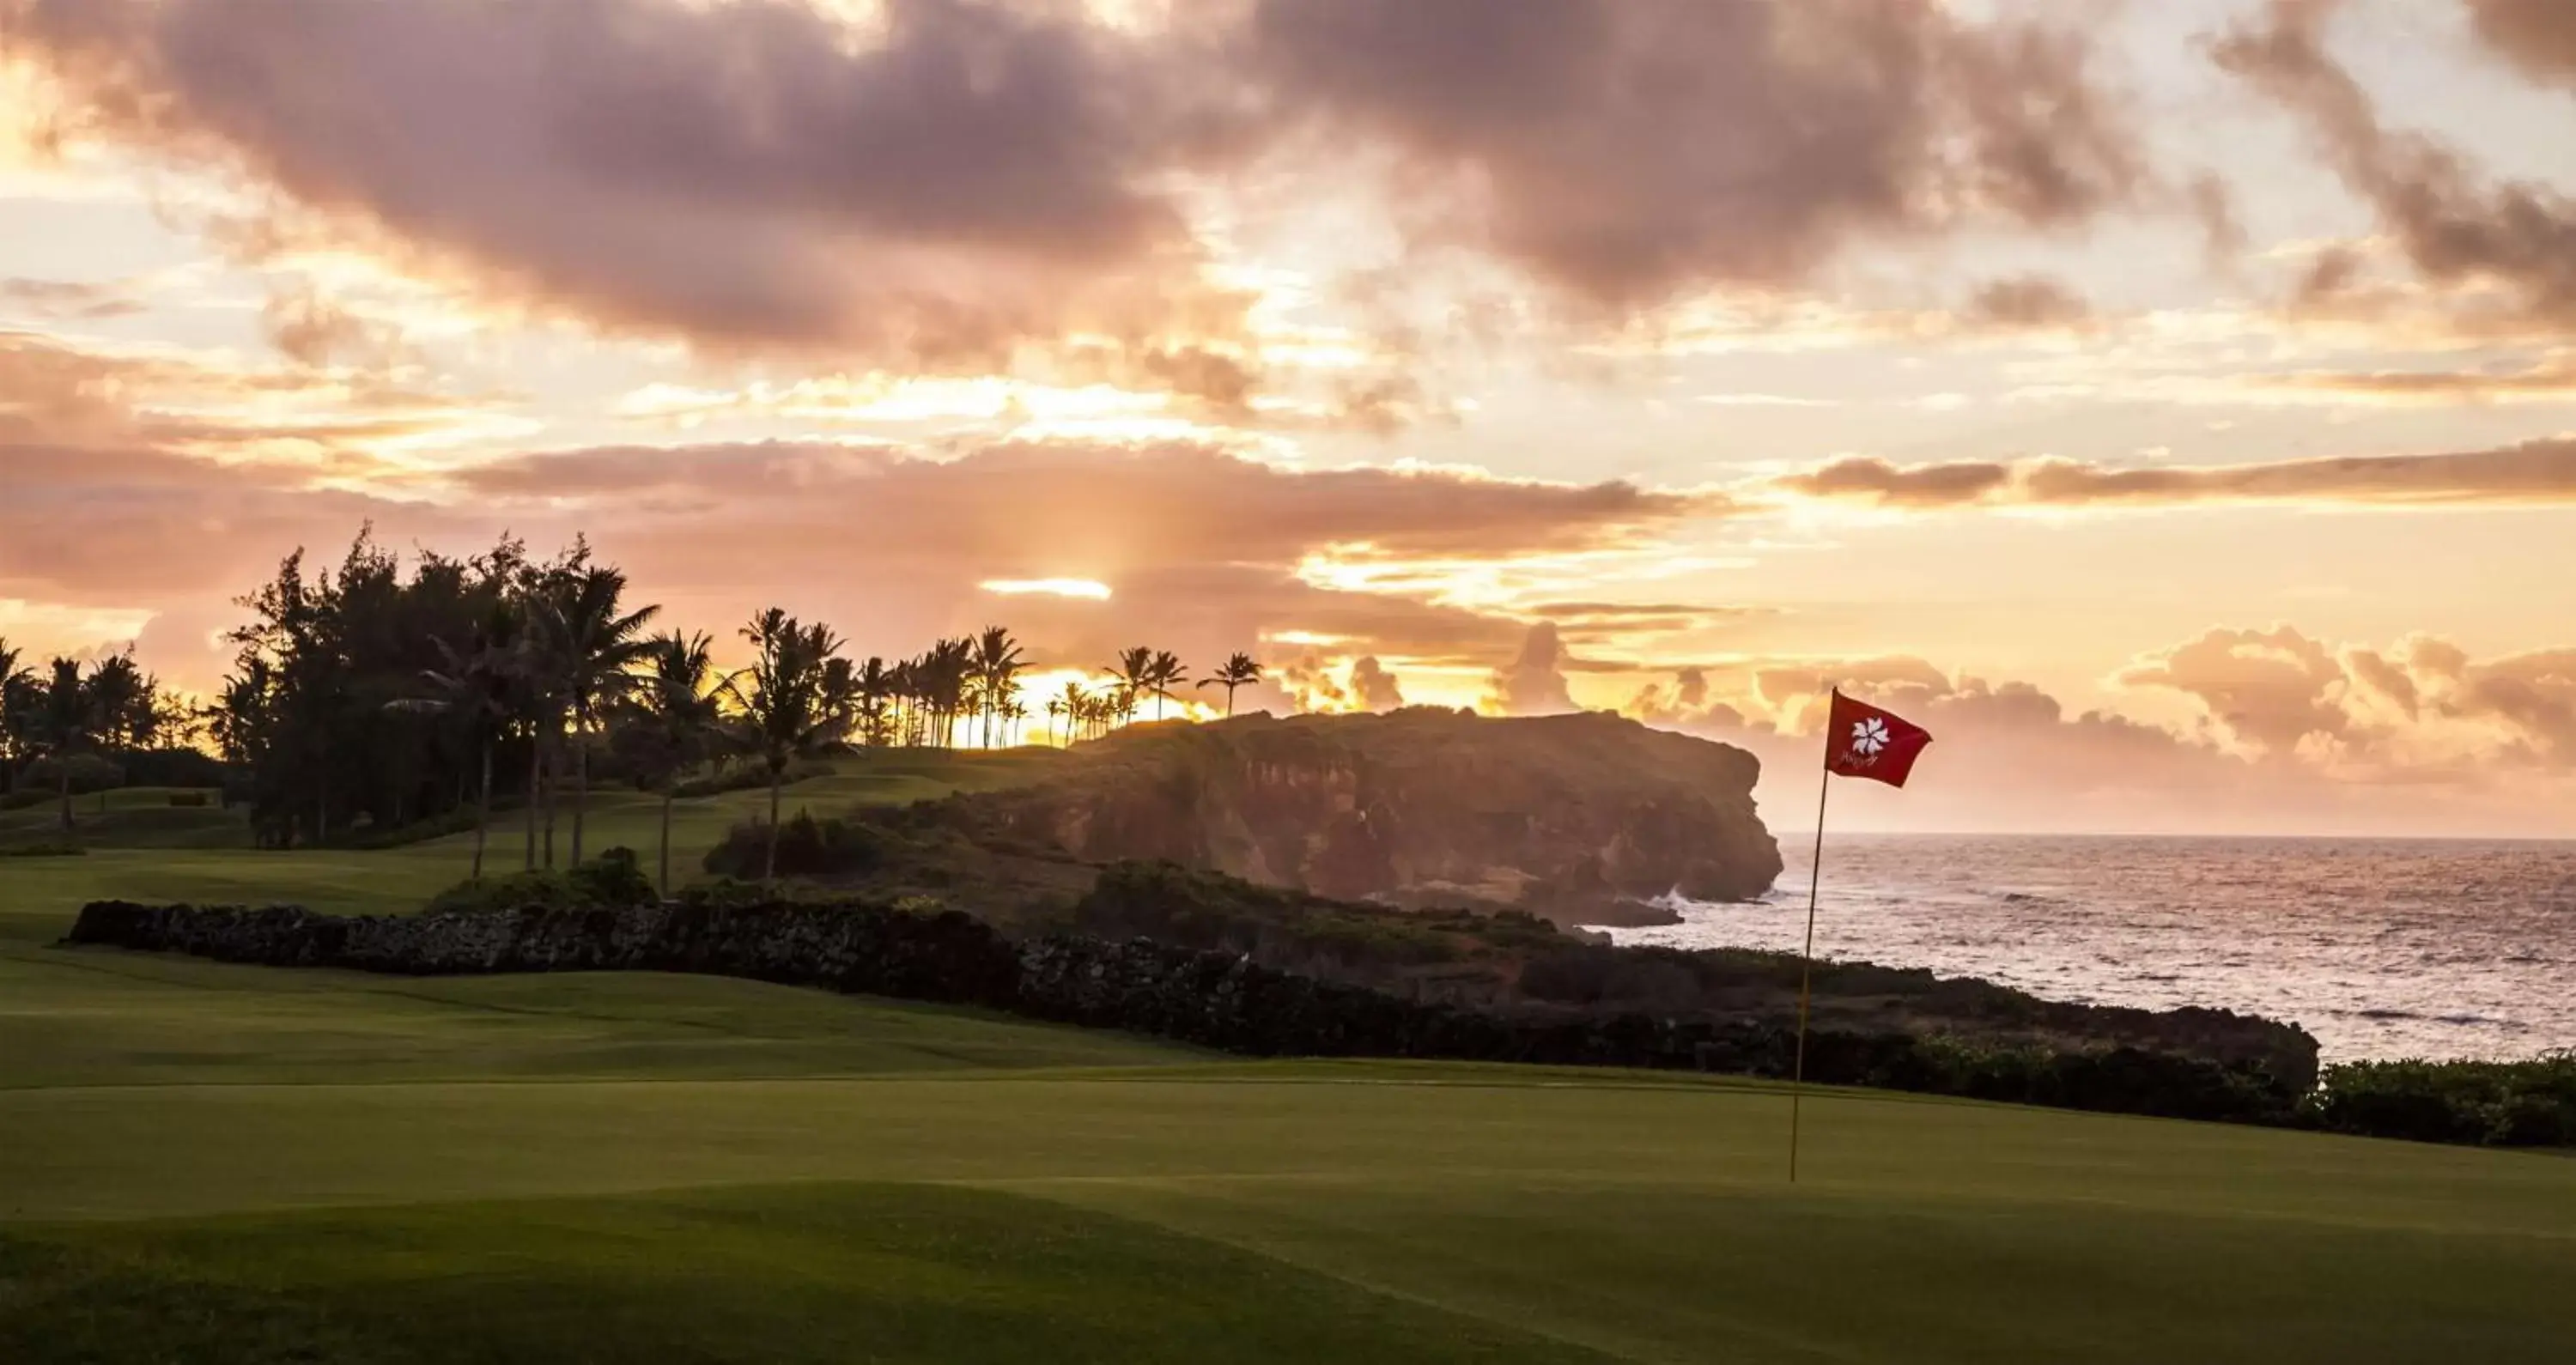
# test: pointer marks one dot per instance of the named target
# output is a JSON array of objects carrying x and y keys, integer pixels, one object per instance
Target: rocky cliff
[{"x": 1578, "y": 817}]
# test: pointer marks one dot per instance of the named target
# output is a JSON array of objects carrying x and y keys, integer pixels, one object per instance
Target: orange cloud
[
  {"x": 2541, "y": 473},
  {"x": 977, "y": 186}
]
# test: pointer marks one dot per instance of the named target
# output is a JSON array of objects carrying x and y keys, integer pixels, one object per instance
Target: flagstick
[{"x": 1807, "y": 969}]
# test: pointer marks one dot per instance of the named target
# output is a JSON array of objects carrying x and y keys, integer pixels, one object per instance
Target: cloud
[
  {"x": 2294, "y": 735},
  {"x": 2269, "y": 688},
  {"x": 1533, "y": 683},
  {"x": 2456, "y": 228},
  {"x": 2537, "y": 35},
  {"x": 1631, "y": 623},
  {"x": 970, "y": 185},
  {"x": 1373, "y": 688},
  {"x": 2029, "y": 303},
  {"x": 1632, "y": 151},
  {"x": 2549, "y": 380},
  {"x": 969, "y": 179},
  {"x": 1310, "y": 684},
  {"x": 82, "y": 300},
  {"x": 1088, "y": 504},
  {"x": 2540, "y": 473},
  {"x": 313, "y": 330},
  {"x": 2425, "y": 709}
]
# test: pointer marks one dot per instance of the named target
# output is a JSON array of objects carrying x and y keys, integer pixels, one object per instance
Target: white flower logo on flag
[{"x": 1868, "y": 739}]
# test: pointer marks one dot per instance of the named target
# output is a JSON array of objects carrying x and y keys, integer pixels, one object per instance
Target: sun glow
[{"x": 1083, "y": 588}]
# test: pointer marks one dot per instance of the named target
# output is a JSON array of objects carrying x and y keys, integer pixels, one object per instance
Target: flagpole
[{"x": 1807, "y": 963}]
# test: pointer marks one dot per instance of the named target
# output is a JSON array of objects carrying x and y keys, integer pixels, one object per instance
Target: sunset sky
[{"x": 2170, "y": 403}]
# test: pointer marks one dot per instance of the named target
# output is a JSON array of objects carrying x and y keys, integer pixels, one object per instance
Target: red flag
[{"x": 1864, "y": 741}]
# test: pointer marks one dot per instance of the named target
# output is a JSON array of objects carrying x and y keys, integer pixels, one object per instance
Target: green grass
[
  {"x": 218, "y": 1164},
  {"x": 38, "y": 896}
]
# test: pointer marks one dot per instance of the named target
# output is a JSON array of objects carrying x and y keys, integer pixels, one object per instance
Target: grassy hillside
[{"x": 143, "y": 849}]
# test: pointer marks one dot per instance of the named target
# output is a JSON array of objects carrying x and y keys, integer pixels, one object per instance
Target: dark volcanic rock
[{"x": 1575, "y": 817}]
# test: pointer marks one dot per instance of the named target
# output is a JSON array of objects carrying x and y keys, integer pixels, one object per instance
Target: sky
[{"x": 2170, "y": 404}]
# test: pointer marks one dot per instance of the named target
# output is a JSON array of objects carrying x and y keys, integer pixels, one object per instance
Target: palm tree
[
  {"x": 1135, "y": 674},
  {"x": 1163, "y": 674},
  {"x": 67, "y": 724},
  {"x": 672, "y": 720},
  {"x": 787, "y": 711},
  {"x": 486, "y": 687},
  {"x": 588, "y": 645},
  {"x": 17, "y": 703},
  {"x": 997, "y": 665},
  {"x": 1239, "y": 671},
  {"x": 879, "y": 689},
  {"x": 948, "y": 672}
]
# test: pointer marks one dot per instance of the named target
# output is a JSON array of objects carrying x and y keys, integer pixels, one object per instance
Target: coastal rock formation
[
  {"x": 1215, "y": 999},
  {"x": 1581, "y": 818}
]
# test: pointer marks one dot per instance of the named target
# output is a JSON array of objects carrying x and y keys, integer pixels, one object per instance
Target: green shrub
[
  {"x": 91, "y": 774},
  {"x": 615, "y": 881},
  {"x": 2494, "y": 1104},
  {"x": 370, "y": 840},
  {"x": 807, "y": 847},
  {"x": 742, "y": 777}
]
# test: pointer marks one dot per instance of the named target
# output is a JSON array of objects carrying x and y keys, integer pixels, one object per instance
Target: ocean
[{"x": 2381, "y": 948}]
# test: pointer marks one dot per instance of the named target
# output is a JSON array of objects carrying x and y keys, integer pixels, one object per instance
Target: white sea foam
[{"x": 2382, "y": 948}]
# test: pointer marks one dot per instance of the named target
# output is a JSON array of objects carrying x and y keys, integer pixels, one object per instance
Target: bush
[
  {"x": 2493, "y": 1104},
  {"x": 371, "y": 840},
  {"x": 172, "y": 768},
  {"x": 807, "y": 847},
  {"x": 742, "y": 777},
  {"x": 615, "y": 881},
  {"x": 43, "y": 851},
  {"x": 91, "y": 774},
  {"x": 1209, "y": 910}
]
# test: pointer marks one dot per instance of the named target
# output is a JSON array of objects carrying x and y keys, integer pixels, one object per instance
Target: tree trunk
[
  {"x": 533, "y": 750},
  {"x": 483, "y": 813},
  {"x": 667, "y": 798},
  {"x": 553, "y": 770},
  {"x": 580, "y": 791},
  {"x": 769, "y": 863}
]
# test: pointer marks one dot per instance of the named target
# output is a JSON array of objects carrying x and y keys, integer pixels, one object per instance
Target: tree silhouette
[
  {"x": 18, "y": 690},
  {"x": 788, "y": 709},
  {"x": 670, "y": 720},
  {"x": 1162, "y": 674},
  {"x": 997, "y": 664},
  {"x": 1239, "y": 671},
  {"x": 484, "y": 685},
  {"x": 879, "y": 691},
  {"x": 585, "y": 645},
  {"x": 1135, "y": 674},
  {"x": 67, "y": 725}
]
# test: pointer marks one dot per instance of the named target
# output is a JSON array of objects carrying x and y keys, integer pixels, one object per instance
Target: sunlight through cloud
[{"x": 1084, "y": 588}]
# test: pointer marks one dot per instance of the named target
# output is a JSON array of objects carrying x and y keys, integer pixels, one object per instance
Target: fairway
[
  {"x": 223, "y": 1163},
  {"x": 213, "y": 1163}
]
